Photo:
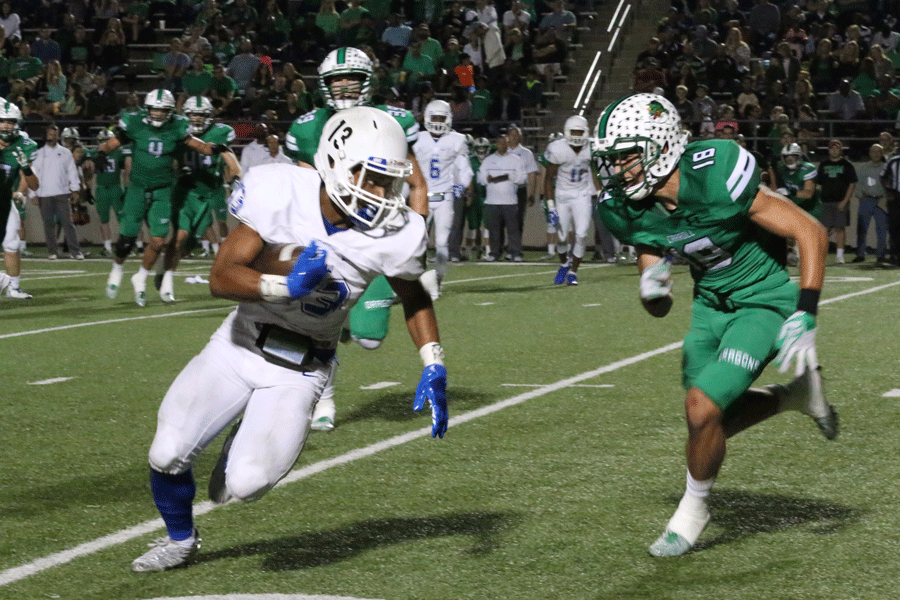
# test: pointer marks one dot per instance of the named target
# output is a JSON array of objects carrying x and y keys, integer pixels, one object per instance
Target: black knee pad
[{"x": 124, "y": 245}]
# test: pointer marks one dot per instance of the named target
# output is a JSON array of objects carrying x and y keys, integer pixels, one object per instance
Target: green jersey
[
  {"x": 734, "y": 263},
  {"x": 793, "y": 180},
  {"x": 111, "y": 173},
  {"x": 207, "y": 172},
  {"x": 9, "y": 176},
  {"x": 153, "y": 149},
  {"x": 302, "y": 139}
]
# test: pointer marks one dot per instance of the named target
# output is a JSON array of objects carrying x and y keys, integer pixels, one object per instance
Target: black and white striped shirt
[{"x": 890, "y": 175}]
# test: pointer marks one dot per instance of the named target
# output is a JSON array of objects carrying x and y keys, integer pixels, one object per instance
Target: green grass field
[{"x": 563, "y": 462}]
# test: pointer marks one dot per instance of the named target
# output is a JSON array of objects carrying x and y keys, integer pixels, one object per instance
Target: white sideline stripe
[
  {"x": 536, "y": 385},
  {"x": 60, "y": 558},
  {"x": 553, "y": 272},
  {"x": 380, "y": 385},
  {"x": 891, "y": 394},
  {"x": 77, "y": 325},
  {"x": 263, "y": 597}
]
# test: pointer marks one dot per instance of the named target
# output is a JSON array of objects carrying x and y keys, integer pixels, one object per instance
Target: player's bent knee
[
  {"x": 124, "y": 245},
  {"x": 700, "y": 410},
  {"x": 368, "y": 344},
  {"x": 248, "y": 482},
  {"x": 165, "y": 456},
  {"x": 11, "y": 246}
]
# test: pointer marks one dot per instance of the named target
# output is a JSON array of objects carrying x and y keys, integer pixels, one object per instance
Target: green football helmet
[
  {"x": 199, "y": 110},
  {"x": 159, "y": 101},
  {"x": 350, "y": 62},
  {"x": 10, "y": 117},
  {"x": 646, "y": 126}
]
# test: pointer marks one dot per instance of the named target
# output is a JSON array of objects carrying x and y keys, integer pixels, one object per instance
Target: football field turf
[{"x": 563, "y": 462}]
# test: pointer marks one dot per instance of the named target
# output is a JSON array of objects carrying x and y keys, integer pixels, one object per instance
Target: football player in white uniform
[
  {"x": 272, "y": 356},
  {"x": 437, "y": 150},
  {"x": 568, "y": 187}
]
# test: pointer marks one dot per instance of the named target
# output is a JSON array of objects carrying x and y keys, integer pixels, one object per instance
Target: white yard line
[{"x": 66, "y": 556}]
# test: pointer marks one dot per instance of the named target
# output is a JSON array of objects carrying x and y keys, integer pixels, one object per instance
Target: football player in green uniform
[
  {"x": 795, "y": 179},
  {"x": 16, "y": 177},
  {"x": 704, "y": 201},
  {"x": 474, "y": 212},
  {"x": 109, "y": 194},
  {"x": 156, "y": 134},
  {"x": 201, "y": 185},
  {"x": 345, "y": 80}
]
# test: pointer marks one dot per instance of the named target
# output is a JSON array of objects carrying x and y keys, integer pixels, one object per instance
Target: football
[{"x": 277, "y": 259}]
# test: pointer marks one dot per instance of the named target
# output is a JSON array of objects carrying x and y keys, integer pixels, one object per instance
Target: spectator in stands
[
  {"x": 74, "y": 104},
  {"x": 651, "y": 51},
  {"x": 883, "y": 65},
  {"x": 848, "y": 61},
  {"x": 222, "y": 43},
  {"x": 494, "y": 54},
  {"x": 648, "y": 75},
  {"x": 685, "y": 107},
  {"x": 103, "y": 102},
  {"x": 777, "y": 95},
  {"x": 706, "y": 112},
  {"x": 106, "y": 9},
  {"x": 866, "y": 82},
  {"x": 196, "y": 81},
  {"x": 81, "y": 76},
  {"x": 823, "y": 67},
  {"x": 350, "y": 21},
  {"x": 10, "y": 22},
  {"x": 516, "y": 18},
  {"x": 424, "y": 95},
  {"x": 482, "y": 98},
  {"x": 886, "y": 100},
  {"x": 507, "y": 106},
  {"x": 764, "y": 22},
  {"x": 722, "y": 73},
  {"x": 730, "y": 17},
  {"x": 418, "y": 66},
  {"x": 55, "y": 84},
  {"x": 194, "y": 43},
  {"x": 562, "y": 21},
  {"x": 396, "y": 35},
  {"x": 463, "y": 72},
  {"x": 808, "y": 128},
  {"x": 460, "y": 105},
  {"x": 45, "y": 48},
  {"x": 430, "y": 46},
  {"x": 531, "y": 90},
  {"x": 328, "y": 19},
  {"x": 846, "y": 105},
  {"x": 81, "y": 50},
  {"x": 254, "y": 153},
  {"x": 669, "y": 45},
  {"x": 175, "y": 62},
  {"x": 243, "y": 67},
  {"x": 784, "y": 65},
  {"x": 25, "y": 67},
  {"x": 704, "y": 46},
  {"x": 746, "y": 96},
  {"x": 474, "y": 49},
  {"x": 485, "y": 12},
  {"x": 135, "y": 20},
  {"x": 112, "y": 58},
  {"x": 887, "y": 39},
  {"x": 240, "y": 12}
]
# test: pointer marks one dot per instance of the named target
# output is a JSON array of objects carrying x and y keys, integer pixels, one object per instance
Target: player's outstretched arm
[
  {"x": 656, "y": 281},
  {"x": 422, "y": 325},
  {"x": 418, "y": 187},
  {"x": 797, "y": 338},
  {"x": 230, "y": 276}
]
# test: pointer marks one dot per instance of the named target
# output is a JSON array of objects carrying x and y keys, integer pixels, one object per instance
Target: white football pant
[
  {"x": 574, "y": 215},
  {"x": 11, "y": 236},
  {"x": 440, "y": 214}
]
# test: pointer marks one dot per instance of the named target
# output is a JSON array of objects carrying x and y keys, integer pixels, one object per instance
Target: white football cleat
[
  {"x": 140, "y": 290},
  {"x": 165, "y": 554},
  {"x": 805, "y": 393},
  {"x": 113, "y": 284},
  {"x": 16, "y": 293},
  {"x": 682, "y": 531},
  {"x": 323, "y": 415}
]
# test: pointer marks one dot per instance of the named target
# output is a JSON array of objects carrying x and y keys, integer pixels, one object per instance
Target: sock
[
  {"x": 174, "y": 498},
  {"x": 107, "y": 245},
  {"x": 139, "y": 245},
  {"x": 551, "y": 248},
  {"x": 14, "y": 282},
  {"x": 205, "y": 244},
  {"x": 168, "y": 281},
  {"x": 692, "y": 514},
  {"x": 840, "y": 253},
  {"x": 141, "y": 275},
  {"x": 22, "y": 245},
  {"x": 215, "y": 248},
  {"x": 117, "y": 269}
]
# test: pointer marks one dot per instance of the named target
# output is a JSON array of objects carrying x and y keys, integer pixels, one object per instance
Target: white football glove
[
  {"x": 797, "y": 339},
  {"x": 19, "y": 198},
  {"x": 20, "y": 157},
  {"x": 656, "y": 280}
]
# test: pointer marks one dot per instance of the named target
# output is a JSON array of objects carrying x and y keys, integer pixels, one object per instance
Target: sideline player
[
  {"x": 474, "y": 211},
  {"x": 795, "y": 179},
  {"x": 200, "y": 187},
  {"x": 109, "y": 192},
  {"x": 568, "y": 187},
  {"x": 155, "y": 133},
  {"x": 704, "y": 201},
  {"x": 16, "y": 155},
  {"x": 272, "y": 356}
]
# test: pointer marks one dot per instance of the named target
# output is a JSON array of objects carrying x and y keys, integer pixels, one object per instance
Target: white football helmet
[
  {"x": 482, "y": 148},
  {"x": 359, "y": 143},
  {"x": 436, "y": 109},
  {"x": 574, "y": 124},
  {"x": 10, "y": 117},
  {"x": 352, "y": 62},
  {"x": 198, "y": 110},
  {"x": 159, "y": 101},
  {"x": 69, "y": 133},
  {"x": 104, "y": 134},
  {"x": 643, "y": 124},
  {"x": 792, "y": 155}
]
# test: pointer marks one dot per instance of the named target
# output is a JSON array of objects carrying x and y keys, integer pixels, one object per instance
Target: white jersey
[
  {"x": 573, "y": 178},
  {"x": 464, "y": 172},
  {"x": 281, "y": 203},
  {"x": 436, "y": 158}
]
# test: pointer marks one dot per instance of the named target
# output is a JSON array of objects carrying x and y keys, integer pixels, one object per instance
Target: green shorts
[
  {"x": 218, "y": 202},
  {"x": 151, "y": 205},
  {"x": 725, "y": 351},
  {"x": 193, "y": 211},
  {"x": 107, "y": 198},
  {"x": 370, "y": 317}
]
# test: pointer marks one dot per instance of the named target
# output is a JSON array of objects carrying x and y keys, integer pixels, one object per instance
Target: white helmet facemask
[
  {"x": 358, "y": 144},
  {"x": 646, "y": 126},
  {"x": 350, "y": 63},
  {"x": 576, "y": 131},
  {"x": 159, "y": 100},
  {"x": 199, "y": 110},
  {"x": 441, "y": 110}
]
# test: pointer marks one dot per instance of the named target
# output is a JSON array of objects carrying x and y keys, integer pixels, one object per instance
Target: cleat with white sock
[
  {"x": 166, "y": 554},
  {"x": 682, "y": 532},
  {"x": 113, "y": 284},
  {"x": 323, "y": 414},
  {"x": 17, "y": 294},
  {"x": 806, "y": 394},
  {"x": 140, "y": 289}
]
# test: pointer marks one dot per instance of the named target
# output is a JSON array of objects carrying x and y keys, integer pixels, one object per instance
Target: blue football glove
[
  {"x": 458, "y": 191},
  {"x": 308, "y": 271},
  {"x": 433, "y": 387},
  {"x": 797, "y": 338},
  {"x": 552, "y": 213}
]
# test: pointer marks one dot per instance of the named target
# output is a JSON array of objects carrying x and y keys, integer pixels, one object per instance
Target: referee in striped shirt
[{"x": 890, "y": 178}]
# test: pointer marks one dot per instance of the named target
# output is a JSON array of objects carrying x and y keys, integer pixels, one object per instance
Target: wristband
[
  {"x": 432, "y": 354},
  {"x": 273, "y": 288},
  {"x": 551, "y": 204},
  {"x": 809, "y": 301},
  {"x": 27, "y": 172}
]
